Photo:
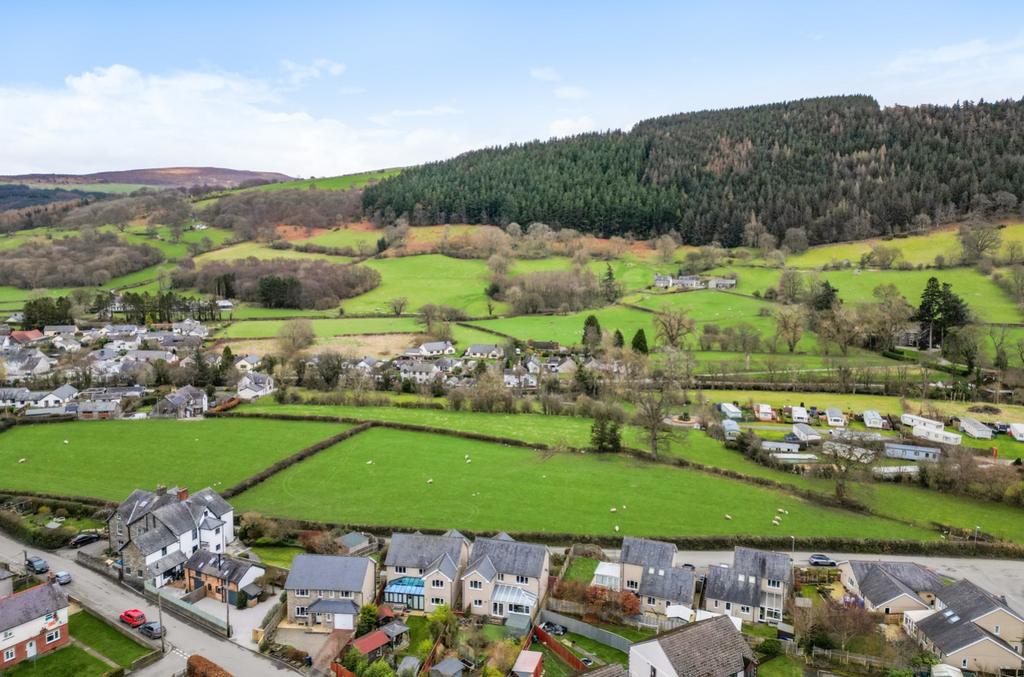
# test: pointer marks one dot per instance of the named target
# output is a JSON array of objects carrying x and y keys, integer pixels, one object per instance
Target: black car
[
  {"x": 83, "y": 539},
  {"x": 153, "y": 629},
  {"x": 553, "y": 629},
  {"x": 37, "y": 565}
]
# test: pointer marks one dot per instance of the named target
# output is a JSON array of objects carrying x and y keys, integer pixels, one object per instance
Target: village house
[
  {"x": 721, "y": 283},
  {"x": 505, "y": 579},
  {"x": 422, "y": 571},
  {"x": 419, "y": 372},
  {"x": 223, "y": 577},
  {"x": 156, "y": 532},
  {"x": 52, "y": 330},
  {"x": 485, "y": 351},
  {"x": 689, "y": 282},
  {"x": 436, "y": 348},
  {"x": 519, "y": 378},
  {"x": 185, "y": 402},
  {"x": 247, "y": 363},
  {"x": 663, "y": 281},
  {"x": 190, "y": 327},
  {"x": 712, "y": 647},
  {"x": 753, "y": 589},
  {"x": 23, "y": 337},
  {"x": 26, "y": 363},
  {"x": 646, "y": 569},
  {"x": 970, "y": 629},
  {"x": 33, "y": 622},
  {"x": 890, "y": 587},
  {"x": 254, "y": 385},
  {"x": 324, "y": 592}
]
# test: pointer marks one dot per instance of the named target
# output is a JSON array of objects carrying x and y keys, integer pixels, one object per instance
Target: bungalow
[
  {"x": 806, "y": 433},
  {"x": 435, "y": 348},
  {"x": 505, "y": 579},
  {"x": 764, "y": 412},
  {"x": 247, "y": 363},
  {"x": 712, "y": 647},
  {"x": 60, "y": 330},
  {"x": 730, "y": 429},
  {"x": 58, "y": 396},
  {"x": 730, "y": 410},
  {"x": 33, "y": 622},
  {"x": 872, "y": 419},
  {"x": 910, "y": 452},
  {"x": 970, "y": 629},
  {"x": 24, "y": 337},
  {"x": 890, "y": 587},
  {"x": 223, "y": 577},
  {"x": 799, "y": 415},
  {"x": 185, "y": 402},
  {"x": 418, "y": 564},
  {"x": 66, "y": 344},
  {"x": 835, "y": 417},
  {"x": 254, "y": 385},
  {"x": 975, "y": 428},
  {"x": 485, "y": 351},
  {"x": 190, "y": 327},
  {"x": 753, "y": 589},
  {"x": 324, "y": 592}
]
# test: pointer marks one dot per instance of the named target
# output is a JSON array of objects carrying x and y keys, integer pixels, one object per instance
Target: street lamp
[
  {"x": 793, "y": 542},
  {"x": 976, "y": 530}
]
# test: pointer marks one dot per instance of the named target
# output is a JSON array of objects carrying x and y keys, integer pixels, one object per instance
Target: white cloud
[
  {"x": 571, "y": 92},
  {"x": 432, "y": 112},
  {"x": 545, "y": 74},
  {"x": 970, "y": 52},
  {"x": 297, "y": 73},
  {"x": 121, "y": 118},
  {"x": 570, "y": 126}
]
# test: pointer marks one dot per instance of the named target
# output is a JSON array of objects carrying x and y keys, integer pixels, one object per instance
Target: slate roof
[
  {"x": 422, "y": 550},
  {"x": 507, "y": 556},
  {"x": 448, "y": 667},
  {"x": 220, "y": 566},
  {"x": 30, "y": 604},
  {"x": 395, "y": 629},
  {"x": 675, "y": 585},
  {"x": 953, "y": 628},
  {"x": 152, "y": 540},
  {"x": 772, "y": 565},
  {"x": 708, "y": 648},
  {"x": 723, "y": 583},
  {"x": 167, "y": 562},
  {"x": 647, "y": 553},
  {"x": 882, "y": 581},
  {"x": 327, "y": 572},
  {"x": 334, "y": 606},
  {"x": 212, "y": 501}
]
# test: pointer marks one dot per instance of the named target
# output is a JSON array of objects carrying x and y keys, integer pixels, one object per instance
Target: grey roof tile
[
  {"x": 27, "y": 605},
  {"x": 709, "y": 648},
  {"x": 327, "y": 572}
]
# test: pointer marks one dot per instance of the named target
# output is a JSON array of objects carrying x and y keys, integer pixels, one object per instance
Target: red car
[{"x": 133, "y": 617}]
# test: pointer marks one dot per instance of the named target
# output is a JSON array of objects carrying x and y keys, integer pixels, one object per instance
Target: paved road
[
  {"x": 998, "y": 576},
  {"x": 108, "y": 597}
]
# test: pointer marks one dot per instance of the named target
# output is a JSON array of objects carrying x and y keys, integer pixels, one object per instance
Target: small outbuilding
[
  {"x": 449, "y": 667},
  {"x": 529, "y": 664}
]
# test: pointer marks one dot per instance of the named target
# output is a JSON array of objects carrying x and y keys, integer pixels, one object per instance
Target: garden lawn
[
  {"x": 430, "y": 278},
  {"x": 277, "y": 555},
  {"x": 553, "y": 665},
  {"x": 71, "y": 661},
  {"x": 581, "y": 569},
  {"x": 602, "y": 651},
  {"x": 514, "y": 489},
  {"x": 110, "y": 459},
  {"x": 104, "y": 639},
  {"x": 781, "y": 666}
]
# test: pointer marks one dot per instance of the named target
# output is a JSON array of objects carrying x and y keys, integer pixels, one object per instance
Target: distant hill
[
  {"x": 168, "y": 177},
  {"x": 840, "y": 167}
]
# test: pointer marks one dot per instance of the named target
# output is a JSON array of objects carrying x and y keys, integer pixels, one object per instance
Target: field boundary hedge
[{"x": 507, "y": 337}]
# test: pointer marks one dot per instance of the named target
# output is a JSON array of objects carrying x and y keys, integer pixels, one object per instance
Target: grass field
[
  {"x": 260, "y": 250},
  {"x": 514, "y": 489},
  {"x": 71, "y": 661},
  {"x": 430, "y": 278},
  {"x": 109, "y": 459},
  {"x": 568, "y": 329},
  {"x": 345, "y": 237},
  {"x": 325, "y": 327},
  {"x": 96, "y": 634},
  {"x": 251, "y": 312},
  {"x": 343, "y": 182}
]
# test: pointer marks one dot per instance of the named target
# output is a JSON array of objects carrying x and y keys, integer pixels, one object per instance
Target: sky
[{"x": 326, "y": 88}]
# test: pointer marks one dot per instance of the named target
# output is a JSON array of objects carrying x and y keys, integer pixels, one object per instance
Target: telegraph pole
[{"x": 160, "y": 615}]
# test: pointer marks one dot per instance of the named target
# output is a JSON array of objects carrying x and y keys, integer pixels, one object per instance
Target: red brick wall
[{"x": 20, "y": 652}]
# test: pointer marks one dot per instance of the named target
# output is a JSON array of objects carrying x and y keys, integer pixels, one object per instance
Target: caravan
[
  {"x": 763, "y": 412},
  {"x": 872, "y": 419},
  {"x": 975, "y": 428},
  {"x": 919, "y": 421},
  {"x": 1017, "y": 431},
  {"x": 933, "y": 435},
  {"x": 835, "y": 417},
  {"x": 799, "y": 415},
  {"x": 730, "y": 410}
]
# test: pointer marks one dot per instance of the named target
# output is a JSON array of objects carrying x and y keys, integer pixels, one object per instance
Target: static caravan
[
  {"x": 940, "y": 436},
  {"x": 785, "y": 447},
  {"x": 872, "y": 419},
  {"x": 855, "y": 435},
  {"x": 920, "y": 421},
  {"x": 911, "y": 452},
  {"x": 800, "y": 415},
  {"x": 975, "y": 428},
  {"x": 835, "y": 418},
  {"x": 1017, "y": 431},
  {"x": 730, "y": 410},
  {"x": 806, "y": 433},
  {"x": 764, "y": 412},
  {"x": 731, "y": 429},
  {"x": 795, "y": 459},
  {"x": 896, "y": 471}
]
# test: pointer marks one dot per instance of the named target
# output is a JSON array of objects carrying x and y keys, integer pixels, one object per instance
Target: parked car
[
  {"x": 790, "y": 437},
  {"x": 62, "y": 577},
  {"x": 153, "y": 629},
  {"x": 586, "y": 661},
  {"x": 821, "y": 561},
  {"x": 83, "y": 539},
  {"x": 37, "y": 565},
  {"x": 133, "y": 617},
  {"x": 553, "y": 629}
]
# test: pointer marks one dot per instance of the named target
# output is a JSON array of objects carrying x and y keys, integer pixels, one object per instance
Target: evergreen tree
[
  {"x": 639, "y": 342},
  {"x": 617, "y": 339},
  {"x": 610, "y": 289},
  {"x": 591, "y": 332},
  {"x": 825, "y": 298},
  {"x": 928, "y": 312}
]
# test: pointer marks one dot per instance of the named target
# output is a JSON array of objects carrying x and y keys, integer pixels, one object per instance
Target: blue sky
[{"x": 317, "y": 88}]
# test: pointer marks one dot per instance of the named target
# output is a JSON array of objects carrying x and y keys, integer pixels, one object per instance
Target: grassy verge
[{"x": 105, "y": 640}]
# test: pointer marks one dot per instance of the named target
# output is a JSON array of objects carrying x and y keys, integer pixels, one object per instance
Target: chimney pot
[
  {"x": 161, "y": 490},
  {"x": 183, "y": 494}
]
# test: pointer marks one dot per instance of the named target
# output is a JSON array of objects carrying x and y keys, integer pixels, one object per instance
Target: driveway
[
  {"x": 243, "y": 621},
  {"x": 310, "y": 642}
]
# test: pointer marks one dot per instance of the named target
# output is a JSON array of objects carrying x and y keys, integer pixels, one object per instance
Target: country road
[{"x": 110, "y": 598}]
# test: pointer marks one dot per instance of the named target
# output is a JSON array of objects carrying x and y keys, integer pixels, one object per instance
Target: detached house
[
  {"x": 422, "y": 571},
  {"x": 645, "y": 569},
  {"x": 890, "y": 587},
  {"x": 505, "y": 579},
  {"x": 419, "y": 372},
  {"x": 485, "y": 351},
  {"x": 185, "y": 402},
  {"x": 435, "y": 348},
  {"x": 753, "y": 589},
  {"x": 32, "y": 622},
  {"x": 326, "y": 591},
  {"x": 970, "y": 629},
  {"x": 254, "y": 385},
  {"x": 156, "y": 532}
]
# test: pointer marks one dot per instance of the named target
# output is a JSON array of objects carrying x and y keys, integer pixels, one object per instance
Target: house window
[
  {"x": 195, "y": 534},
  {"x": 53, "y": 636},
  {"x": 399, "y": 570},
  {"x": 478, "y": 602},
  {"x": 774, "y": 584},
  {"x": 302, "y": 593},
  {"x": 437, "y": 601},
  {"x": 346, "y": 594},
  {"x": 8, "y": 634},
  {"x": 163, "y": 550},
  {"x": 330, "y": 593},
  {"x": 728, "y": 606},
  {"x": 522, "y": 580},
  {"x": 437, "y": 583},
  {"x": 743, "y": 579},
  {"x": 217, "y": 531},
  {"x": 301, "y": 612},
  {"x": 744, "y": 609},
  {"x": 120, "y": 529},
  {"x": 886, "y": 610},
  {"x": 476, "y": 585},
  {"x": 963, "y": 663},
  {"x": 650, "y": 600},
  {"x": 501, "y": 577},
  {"x": 8, "y": 655},
  {"x": 633, "y": 585},
  {"x": 654, "y": 671},
  {"x": 996, "y": 631},
  {"x": 716, "y": 603}
]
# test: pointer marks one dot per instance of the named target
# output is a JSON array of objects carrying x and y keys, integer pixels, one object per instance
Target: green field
[
  {"x": 247, "y": 311},
  {"x": 507, "y": 488},
  {"x": 568, "y": 329},
  {"x": 430, "y": 278},
  {"x": 261, "y": 251},
  {"x": 255, "y": 329},
  {"x": 345, "y": 237},
  {"x": 343, "y": 182},
  {"x": 96, "y": 634},
  {"x": 109, "y": 459}
]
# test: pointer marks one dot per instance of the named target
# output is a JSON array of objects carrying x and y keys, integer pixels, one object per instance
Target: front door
[
  {"x": 30, "y": 648},
  {"x": 760, "y": 614},
  {"x": 497, "y": 609}
]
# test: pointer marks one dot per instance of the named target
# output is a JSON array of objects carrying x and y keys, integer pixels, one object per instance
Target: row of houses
[{"x": 690, "y": 282}]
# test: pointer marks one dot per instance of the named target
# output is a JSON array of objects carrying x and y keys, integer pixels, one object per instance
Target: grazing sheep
[
  {"x": 22, "y": 460},
  {"x": 430, "y": 481},
  {"x": 728, "y": 517},
  {"x": 370, "y": 462},
  {"x": 65, "y": 441},
  {"x": 613, "y": 509}
]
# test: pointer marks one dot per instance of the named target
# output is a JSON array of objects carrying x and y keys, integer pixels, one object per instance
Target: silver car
[{"x": 62, "y": 577}]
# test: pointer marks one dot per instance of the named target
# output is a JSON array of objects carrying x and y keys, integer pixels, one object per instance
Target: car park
[{"x": 132, "y": 617}]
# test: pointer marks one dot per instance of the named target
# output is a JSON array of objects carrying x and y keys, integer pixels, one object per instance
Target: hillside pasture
[
  {"x": 262, "y": 251},
  {"x": 567, "y": 329},
  {"x": 429, "y": 278},
  {"x": 255, "y": 329}
]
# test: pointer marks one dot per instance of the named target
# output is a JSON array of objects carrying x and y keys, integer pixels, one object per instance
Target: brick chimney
[{"x": 183, "y": 494}]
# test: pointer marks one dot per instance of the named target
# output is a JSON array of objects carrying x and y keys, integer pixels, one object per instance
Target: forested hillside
[{"x": 840, "y": 167}]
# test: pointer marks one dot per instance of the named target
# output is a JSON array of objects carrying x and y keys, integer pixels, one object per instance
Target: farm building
[
  {"x": 911, "y": 452},
  {"x": 920, "y": 421},
  {"x": 731, "y": 429},
  {"x": 799, "y": 415},
  {"x": 1017, "y": 431},
  {"x": 730, "y": 410},
  {"x": 786, "y": 447},
  {"x": 940, "y": 436},
  {"x": 872, "y": 419},
  {"x": 835, "y": 417},
  {"x": 721, "y": 283},
  {"x": 763, "y": 412},
  {"x": 806, "y": 433},
  {"x": 975, "y": 428}
]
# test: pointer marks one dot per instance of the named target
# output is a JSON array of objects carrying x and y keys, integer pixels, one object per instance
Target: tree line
[{"x": 89, "y": 259}]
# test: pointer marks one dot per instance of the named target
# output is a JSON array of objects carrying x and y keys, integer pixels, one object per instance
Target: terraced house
[
  {"x": 422, "y": 571},
  {"x": 505, "y": 579},
  {"x": 753, "y": 589},
  {"x": 32, "y": 623}
]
